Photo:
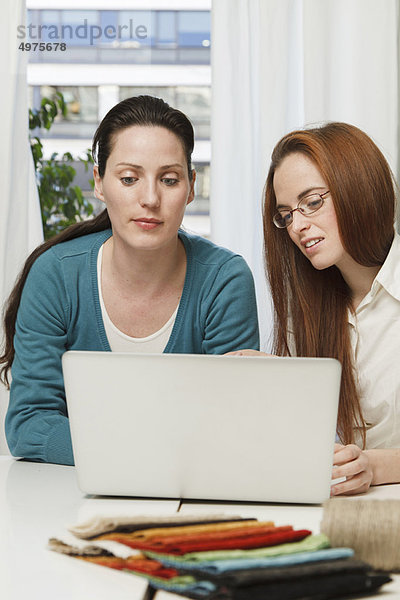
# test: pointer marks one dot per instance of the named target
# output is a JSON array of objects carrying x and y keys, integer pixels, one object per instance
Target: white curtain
[
  {"x": 20, "y": 223},
  {"x": 281, "y": 64}
]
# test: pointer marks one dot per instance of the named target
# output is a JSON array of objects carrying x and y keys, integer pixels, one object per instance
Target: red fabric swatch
[
  {"x": 242, "y": 532},
  {"x": 140, "y": 565},
  {"x": 150, "y": 567},
  {"x": 163, "y": 541},
  {"x": 193, "y": 544}
]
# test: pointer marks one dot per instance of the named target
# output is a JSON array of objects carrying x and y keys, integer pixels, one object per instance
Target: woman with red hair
[{"x": 333, "y": 265}]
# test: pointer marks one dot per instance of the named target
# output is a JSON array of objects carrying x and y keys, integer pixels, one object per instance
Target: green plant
[{"x": 61, "y": 202}]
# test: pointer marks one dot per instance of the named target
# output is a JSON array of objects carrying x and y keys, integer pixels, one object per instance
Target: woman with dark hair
[
  {"x": 129, "y": 280},
  {"x": 333, "y": 264}
]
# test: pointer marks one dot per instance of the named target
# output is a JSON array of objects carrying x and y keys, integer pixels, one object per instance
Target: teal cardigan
[{"x": 60, "y": 310}]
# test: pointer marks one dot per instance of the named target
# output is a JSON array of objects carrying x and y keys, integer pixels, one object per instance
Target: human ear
[
  {"x": 191, "y": 192},
  {"x": 98, "y": 184}
]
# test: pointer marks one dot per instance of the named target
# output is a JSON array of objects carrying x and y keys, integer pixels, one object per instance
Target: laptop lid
[{"x": 203, "y": 427}]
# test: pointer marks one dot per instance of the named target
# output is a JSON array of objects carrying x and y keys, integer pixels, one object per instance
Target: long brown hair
[
  {"x": 138, "y": 110},
  {"x": 314, "y": 302}
]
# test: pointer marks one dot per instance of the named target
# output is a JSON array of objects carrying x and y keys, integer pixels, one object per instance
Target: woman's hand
[
  {"x": 247, "y": 352},
  {"x": 354, "y": 464}
]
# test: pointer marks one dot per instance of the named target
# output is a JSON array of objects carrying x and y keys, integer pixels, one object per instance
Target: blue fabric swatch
[{"x": 222, "y": 566}]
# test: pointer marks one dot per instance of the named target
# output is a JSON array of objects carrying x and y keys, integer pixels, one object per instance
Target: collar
[{"x": 389, "y": 274}]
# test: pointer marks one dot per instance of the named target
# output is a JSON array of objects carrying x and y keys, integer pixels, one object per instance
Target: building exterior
[{"x": 97, "y": 56}]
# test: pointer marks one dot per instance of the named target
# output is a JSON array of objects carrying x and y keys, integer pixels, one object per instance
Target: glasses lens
[
  {"x": 282, "y": 219},
  {"x": 310, "y": 204}
]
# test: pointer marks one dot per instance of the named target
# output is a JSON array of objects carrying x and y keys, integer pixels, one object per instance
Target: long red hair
[{"x": 317, "y": 302}]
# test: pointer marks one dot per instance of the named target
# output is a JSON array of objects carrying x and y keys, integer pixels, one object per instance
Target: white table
[{"x": 39, "y": 501}]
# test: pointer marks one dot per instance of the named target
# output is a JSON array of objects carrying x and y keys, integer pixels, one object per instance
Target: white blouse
[
  {"x": 120, "y": 341},
  {"x": 375, "y": 339}
]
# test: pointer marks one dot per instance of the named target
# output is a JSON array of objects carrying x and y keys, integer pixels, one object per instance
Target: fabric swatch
[
  {"x": 211, "y": 568},
  {"x": 190, "y": 530},
  {"x": 222, "y": 558},
  {"x": 127, "y": 523},
  {"x": 192, "y": 544},
  {"x": 218, "y": 534},
  {"x": 243, "y": 577},
  {"x": 323, "y": 587},
  {"x": 371, "y": 528},
  {"x": 309, "y": 544}
]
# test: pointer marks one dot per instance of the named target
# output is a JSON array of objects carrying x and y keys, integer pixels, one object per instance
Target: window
[
  {"x": 108, "y": 37},
  {"x": 166, "y": 29},
  {"x": 200, "y": 205},
  {"x": 82, "y": 104},
  {"x": 135, "y": 28},
  {"x": 113, "y": 36},
  {"x": 76, "y": 26},
  {"x": 194, "y": 101},
  {"x": 194, "y": 28}
]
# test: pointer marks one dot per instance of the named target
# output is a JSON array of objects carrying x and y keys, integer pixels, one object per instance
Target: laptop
[{"x": 203, "y": 427}]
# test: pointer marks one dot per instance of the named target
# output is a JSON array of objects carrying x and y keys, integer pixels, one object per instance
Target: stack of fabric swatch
[{"x": 218, "y": 557}]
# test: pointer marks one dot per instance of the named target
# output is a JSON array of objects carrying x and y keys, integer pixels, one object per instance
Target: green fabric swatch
[
  {"x": 309, "y": 544},
  {"x": 172, "y": 582}
]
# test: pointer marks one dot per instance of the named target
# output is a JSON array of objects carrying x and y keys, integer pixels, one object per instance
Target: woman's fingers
[
  {"x": 359, "y": 484},
  {"x": 345, "y": 454},
  {"x": 353, "y": 464}
]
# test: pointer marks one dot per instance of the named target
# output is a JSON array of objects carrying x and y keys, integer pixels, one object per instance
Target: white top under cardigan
[{"x": 121, "y": 342}]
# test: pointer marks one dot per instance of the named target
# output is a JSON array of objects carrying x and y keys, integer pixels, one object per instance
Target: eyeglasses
[{"x": 307, "y": 206}]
